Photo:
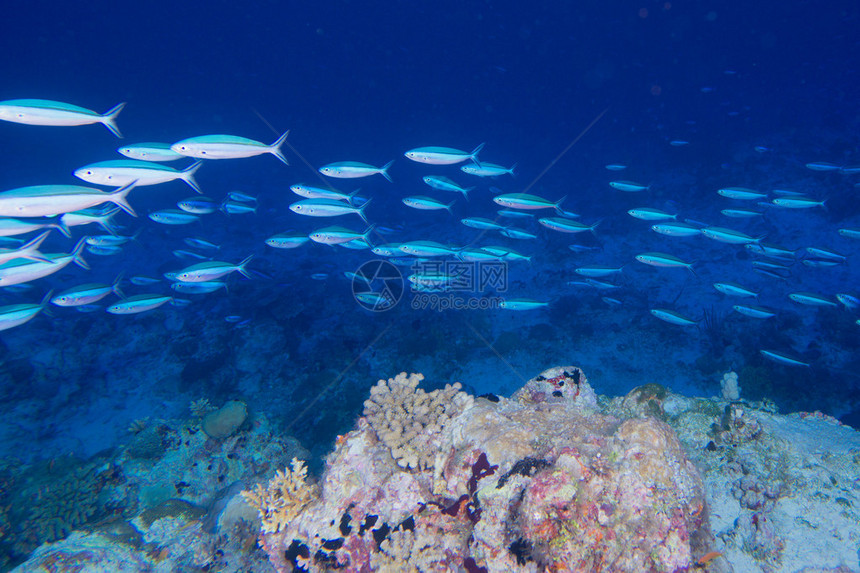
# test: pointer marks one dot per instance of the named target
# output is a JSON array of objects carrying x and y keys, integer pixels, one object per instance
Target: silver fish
[
  {"x": 327, "y": 208},
  {"x": 47, "y": 112},
  {"x": 442, "y": 155},
  {"x": 354, "y": 169},
  {"x": 48, "y": 200},
  {"x": 228, "y": 147}
]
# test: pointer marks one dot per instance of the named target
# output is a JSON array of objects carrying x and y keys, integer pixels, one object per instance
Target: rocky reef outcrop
[{"x": 539, "y": 481}]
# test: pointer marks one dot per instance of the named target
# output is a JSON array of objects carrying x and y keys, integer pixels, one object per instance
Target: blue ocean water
[{"x": 690, "y": 97}]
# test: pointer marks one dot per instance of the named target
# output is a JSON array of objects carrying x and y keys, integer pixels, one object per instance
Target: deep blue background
[{"x": 523, "y": 76}]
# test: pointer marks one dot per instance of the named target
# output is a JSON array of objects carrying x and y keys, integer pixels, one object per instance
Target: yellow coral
[{"x": 285, "y": 496}]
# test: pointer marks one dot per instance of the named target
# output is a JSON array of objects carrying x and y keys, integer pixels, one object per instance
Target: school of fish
[{"x": 43, "y": 208}]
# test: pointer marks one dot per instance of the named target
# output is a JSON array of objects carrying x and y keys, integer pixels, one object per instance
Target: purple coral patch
[
  {"x": 454, "y": 508},
  {"x": 473, "y": 567},
  {"x": 480, "y": 470}
]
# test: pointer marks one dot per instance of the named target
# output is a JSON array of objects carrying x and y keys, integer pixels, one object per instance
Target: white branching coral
[
  {"x": 409, "y": 421},
  {"x": 286, "y": 495},
  {"x": 729, "y": 388}
]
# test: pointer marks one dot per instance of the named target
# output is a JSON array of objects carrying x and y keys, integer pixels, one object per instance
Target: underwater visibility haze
[{"x": 257, "y": 210}]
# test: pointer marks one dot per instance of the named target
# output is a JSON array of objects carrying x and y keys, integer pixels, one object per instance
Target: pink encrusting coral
[{"x": 540, "y": 482}]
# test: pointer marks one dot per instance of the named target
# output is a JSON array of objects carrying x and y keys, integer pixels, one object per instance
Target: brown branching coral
[{"x": 286, "y": 495}]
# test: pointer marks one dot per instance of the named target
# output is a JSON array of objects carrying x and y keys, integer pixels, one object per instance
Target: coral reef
[
  {"x": 167, "y": 501},
  {"x": 169, "y": 545},
  {"x": 56, "y": 497},
  {"x": 553, "y": 478},
  {"x": 776, "y": 500},
  {"x": 541, "y": 480}
]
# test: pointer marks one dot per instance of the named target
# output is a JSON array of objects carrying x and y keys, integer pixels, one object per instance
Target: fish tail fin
[
  {"x": 115, "y": 288},
  {"x": 76, "y": 254},
  {"x": 366, "y": 234},
  {"x": 690, "y": 268},
  {"x": 275, "y": 148},
  {"x": 466, "y": 192},
  {"x": 241, "y": 267},
  {"x": 45, "y": 300},
  {"x": 118, "y": 198},
  {"x": 105, "y": 221},
  {"x": 187, "y": 175},
  {"x": 361, "y": 211},
  {"x": 475, "y": 152},
  {"x": 594, "y": 227},
  {"x": 558, "y": 203},
  {"x": 30, "y": 250},
  {"x": 352, "y": 196},
  {"x": 449, "y": 205},
  {"x": 108, "y": 118},
  {"x": 108, "y": 227},
  {"x": 63, "y": 228},
  {"x": 384, "y": 171},
  {"x": 512, "y": 170}
]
